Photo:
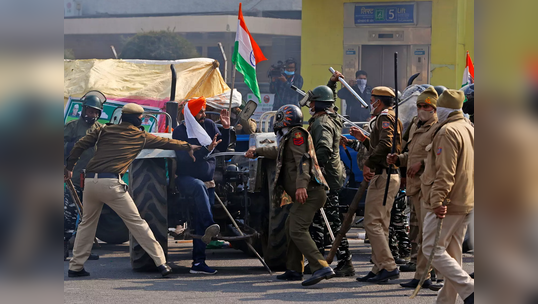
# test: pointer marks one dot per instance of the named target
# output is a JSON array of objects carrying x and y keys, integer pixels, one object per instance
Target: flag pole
[{"x": 232, "y": 91}]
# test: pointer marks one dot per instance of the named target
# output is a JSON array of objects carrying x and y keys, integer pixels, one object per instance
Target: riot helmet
[
  {"x": 439, "y": 89},
  {"x": 95, "y": 100},
  {"x": 288, "y": 116}
]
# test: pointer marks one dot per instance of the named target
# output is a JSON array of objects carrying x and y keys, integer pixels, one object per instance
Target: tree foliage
[{"x": 161, "y": 45}]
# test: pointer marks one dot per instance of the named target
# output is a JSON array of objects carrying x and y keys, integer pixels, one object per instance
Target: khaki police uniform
[
  {"x": 377, "y": 216},
  {"x": 116, "y": 147},
  {"x": 297, "y": 167},
  {"x": 420, "y": 136},
  {"x": 449, "y": 177}
]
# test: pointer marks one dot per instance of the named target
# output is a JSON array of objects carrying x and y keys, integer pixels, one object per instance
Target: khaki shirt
[
  {"x": 380, "y": 142},
  {"x": 449, "y": 167},
  {"x": 419, "y": 139},
  {"x": 117, "y": 146},
  {"x": 73, "y": 132}
]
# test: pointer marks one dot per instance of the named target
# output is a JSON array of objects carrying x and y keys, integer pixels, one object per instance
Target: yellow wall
[{"x": 322, "y": 40}]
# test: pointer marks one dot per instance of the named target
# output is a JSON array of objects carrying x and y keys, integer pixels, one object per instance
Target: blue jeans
[{"x": 200, "y": 205}]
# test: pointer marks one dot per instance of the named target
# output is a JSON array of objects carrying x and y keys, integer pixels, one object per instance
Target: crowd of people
[{"x": 432, "y": 163}]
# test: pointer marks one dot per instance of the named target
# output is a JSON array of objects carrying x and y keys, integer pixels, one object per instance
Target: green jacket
[
  {"x": 296, "y": 167},
  {"x": 326, "y": 130},
  {"x": 73, "y": 131}
]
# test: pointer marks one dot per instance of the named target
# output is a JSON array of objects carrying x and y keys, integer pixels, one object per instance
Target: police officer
[
  {"x": 447, "y": 192},
  {"x": 116, "y": 146},
  {"x": 377, "y": 216},
  {"x": 419, "y": 136},
  {"x": 299, "y": 181},
  {"x": 92, "y": 106},
  {"x": 326, "y": 129}
]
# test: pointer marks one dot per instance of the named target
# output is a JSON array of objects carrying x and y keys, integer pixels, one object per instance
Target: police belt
[
  {"x": 102, "y": 175},
  {"x": 382, "y": 170}
]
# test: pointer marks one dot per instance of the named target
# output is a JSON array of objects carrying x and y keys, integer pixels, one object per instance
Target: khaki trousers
[
  {"x": 422, "y": 262},
  {"x": 448, "y": 255},
  {"x": 297, "y": 229},
  {"x": 113, "y": 192},
  {"x": 377, "y": 220}
]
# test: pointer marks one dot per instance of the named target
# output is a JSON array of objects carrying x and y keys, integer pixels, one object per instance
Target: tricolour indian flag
[
  {"x": 246, "y": 55},
  {"x": 468, "y": 73}
]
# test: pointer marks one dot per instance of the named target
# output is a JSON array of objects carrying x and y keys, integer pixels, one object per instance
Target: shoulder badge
[
  {"x": 298, "y": 138},
  {"x": 439, "y": 150},
  {"x": 385, "y": 124}
]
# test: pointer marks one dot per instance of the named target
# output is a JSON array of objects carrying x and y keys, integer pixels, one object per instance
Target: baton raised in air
[
  {"x": 303, "y": 93},
  {"x": 350, "y": 89}
]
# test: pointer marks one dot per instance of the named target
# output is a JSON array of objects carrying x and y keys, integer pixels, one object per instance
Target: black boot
[
  {"x": 366, "y": 277},
  {"x": 384, "y": 276},
  {"x": 165, "y": 270},
  {"x": 318, "y": 275},
  {"x": 93, "y": 257},
  {"x": 414, "y": 283},
  {"x": 290, "y": 275},
  {"x": 345, "y": 268},
  {"x": 409, "y": 267},
  {"x": 74, "y": 274}
]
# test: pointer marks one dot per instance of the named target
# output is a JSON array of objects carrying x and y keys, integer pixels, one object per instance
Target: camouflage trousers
[
  {"x": 399, "y": 243},
  {"x": 70, "y": 212},
  {"x": 320, "y": 234}
]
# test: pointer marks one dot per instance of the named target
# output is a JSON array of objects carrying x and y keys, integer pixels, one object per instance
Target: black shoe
[
  {"x": 165, "y": 270},
  {"x": 290, "y": 275},
  {"x": 93, "y": 257},
  {"x": 74, "y": 274},
  {"x": 384, "y": 276},
  {"x": 437, "y": 285},
  {"x": 345, "y": 268},
  {"x": 307, "y": 269},
  {"x": 469, "y": 299},
  {"x": 472, "y": 275},
  {"x": 366, "y": 277},
  {"x": 409, "y": 267},
  {"x": 414, "y": 283},
  {"x": 318, "y": 275},
  {"x": 400, "y": 261}
]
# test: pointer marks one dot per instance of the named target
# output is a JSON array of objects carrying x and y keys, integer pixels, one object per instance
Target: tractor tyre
[
  {"x": 111, "y": 229},
  {"x": 148, "y": 188}
]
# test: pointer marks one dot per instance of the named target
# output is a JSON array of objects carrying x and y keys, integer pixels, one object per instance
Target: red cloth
[{"x": 195, "y": 105}]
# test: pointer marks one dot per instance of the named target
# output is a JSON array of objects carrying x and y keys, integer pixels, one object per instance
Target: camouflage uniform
[
  {"x": 399, "y": 242},
  {"x": 73, "y": 131},
  {"x": 326, "y": 130}
]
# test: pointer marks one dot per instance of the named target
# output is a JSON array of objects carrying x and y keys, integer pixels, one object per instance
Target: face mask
[
  {"x": 89, "y": 120},
  {"x": 133, "y": 119},
  {"x": 373, "y": 106},
  {"x": 312, "y": 111},
  {"x": 425, "y": 116},
  {"x": 442, "y": 113},
  {"x": 289, "y": 73},
  {"x": 361, "y": 83},
  {"x": 281, "y": 134}
]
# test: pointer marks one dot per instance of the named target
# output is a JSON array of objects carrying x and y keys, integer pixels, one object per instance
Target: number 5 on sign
[{"x": 390, "y": 14}]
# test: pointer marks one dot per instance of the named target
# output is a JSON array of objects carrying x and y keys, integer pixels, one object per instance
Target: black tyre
[
  {"x": 111, "y": 228},
  {"x": 148, "y": 188}
]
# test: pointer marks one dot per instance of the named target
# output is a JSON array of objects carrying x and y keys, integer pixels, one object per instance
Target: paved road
[{"x": 240, "y": 279}]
